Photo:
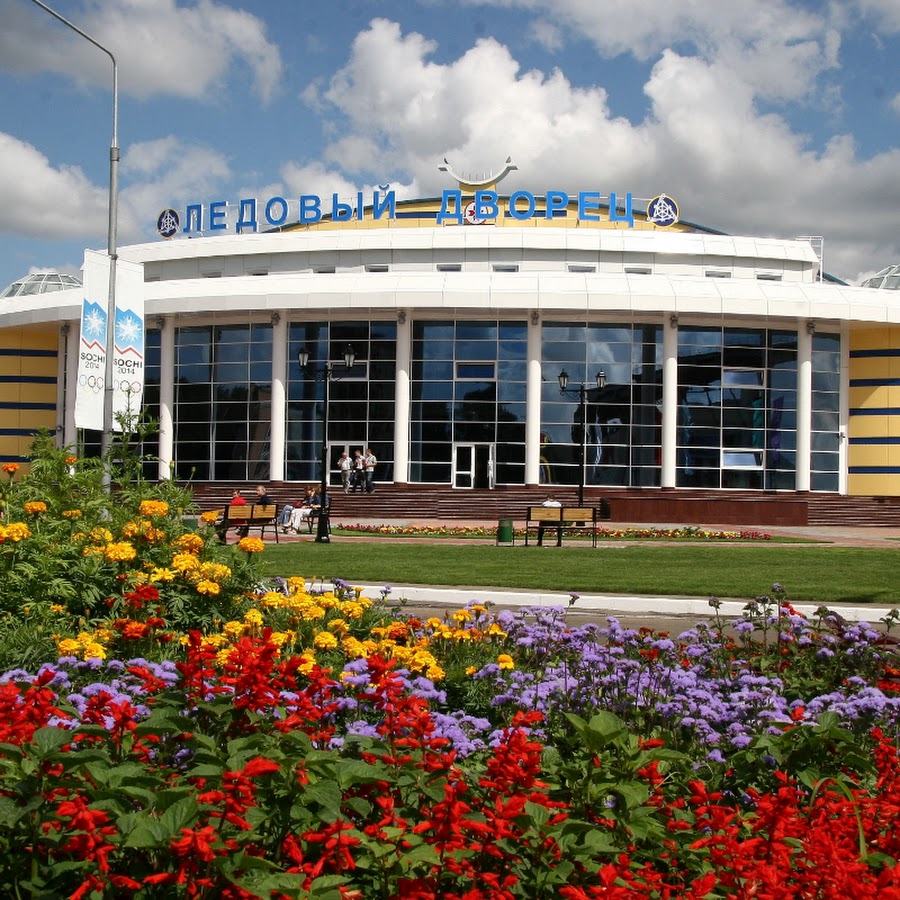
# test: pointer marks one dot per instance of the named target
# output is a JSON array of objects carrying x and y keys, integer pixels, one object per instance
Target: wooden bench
[
  {"x": 313, "y": 517},
  {"x": 245, "y": 516},
  {"x": 559, "y": 518}
]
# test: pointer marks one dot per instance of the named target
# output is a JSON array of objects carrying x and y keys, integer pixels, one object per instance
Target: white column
[
  {"x": 66, "y": 381},
  {"x": 401, "y": 399},
  {"x": 804, "y": 406},
  {"x": 669, "y": 402},
  {"x": 279, "y": 396},
  {"x": 533, "y": 403},
  {"x": 166, "y": 397}
]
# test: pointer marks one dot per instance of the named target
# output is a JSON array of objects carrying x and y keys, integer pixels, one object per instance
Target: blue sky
[{"x": 761, "y": 117}]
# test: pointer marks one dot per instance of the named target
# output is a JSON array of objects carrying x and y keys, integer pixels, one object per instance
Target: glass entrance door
[{"x": 473, "y": 466}]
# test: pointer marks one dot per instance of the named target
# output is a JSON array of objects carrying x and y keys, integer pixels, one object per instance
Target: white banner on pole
[
  {"x": 92, "y": 346},
  {"x": 128, "y": 359},
  {"x": 128, "y": 355}
]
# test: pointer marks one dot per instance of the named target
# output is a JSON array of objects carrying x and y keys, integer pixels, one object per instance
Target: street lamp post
[
  {"x": 112, "y": 250},
  {"x": 326, "y": 375},
  {"x": 581, "y": 391}
]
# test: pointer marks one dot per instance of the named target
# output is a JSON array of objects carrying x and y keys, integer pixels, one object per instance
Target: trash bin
[{"x": 505, "y": 531}]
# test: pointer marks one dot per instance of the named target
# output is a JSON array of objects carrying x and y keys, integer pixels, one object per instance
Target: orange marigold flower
[
  {"x": 15, "y": 532},
  {"x": 71, "y": 460},
  {"x": 505, "y": 661},
  {"x": 10, "y": 468},
  {"x": 71, "y": 513},
  {"x": 208, "y": 587},
  {"x": 153, "y": 508},
  {"x": 190, "y": 543},
  {"x": 33, "y": 507},
  {"x": 251, "y": 545},
  {"x": 119, "y": 551}
]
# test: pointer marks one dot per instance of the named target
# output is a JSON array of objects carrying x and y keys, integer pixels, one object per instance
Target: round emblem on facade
[
  {"x": 167, "y": 223},
  {"x": 662, "y": 211},
  {"x": 469, "y": 214}
]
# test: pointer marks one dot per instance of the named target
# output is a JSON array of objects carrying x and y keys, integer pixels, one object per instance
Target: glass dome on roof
[
  {"x": 887, "y": 279},
  {"x": 41, "y": 283}
]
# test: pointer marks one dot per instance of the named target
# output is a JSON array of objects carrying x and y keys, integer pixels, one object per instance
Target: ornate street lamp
[
  {"x": 326, "y": 375},
  {"x": 581, "y": 392}
]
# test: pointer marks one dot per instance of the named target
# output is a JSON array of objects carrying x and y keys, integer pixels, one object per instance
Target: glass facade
[
  {"x": 361, "y": 407},
  {"x": 736, "y": 403},
  {"x": 737, "y": 408},
  {"x": 223, "y": 389},
  {"x": 622, "y": 445},
  {"x": 467, "y": 390}
]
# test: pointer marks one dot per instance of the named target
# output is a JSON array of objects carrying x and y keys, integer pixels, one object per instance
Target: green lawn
[{"x": 810, "y": 574}]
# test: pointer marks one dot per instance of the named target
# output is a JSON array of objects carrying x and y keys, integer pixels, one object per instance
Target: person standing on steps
[
  {"x": 345, "y": 464},
  {"x": 370, "y": 463}
]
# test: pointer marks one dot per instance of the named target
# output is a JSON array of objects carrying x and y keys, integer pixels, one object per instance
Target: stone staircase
[{"x": 430, "y": 503}]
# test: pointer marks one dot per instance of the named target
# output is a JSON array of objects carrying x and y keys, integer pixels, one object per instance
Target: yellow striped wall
[
  {"x": 28, "y": 375},
  {"x": 873, "y": 456}
]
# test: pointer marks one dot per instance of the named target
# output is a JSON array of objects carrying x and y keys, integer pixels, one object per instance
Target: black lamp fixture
[
  {"x": 326, "y": 375},
  {"x": 582, "y": 393}
]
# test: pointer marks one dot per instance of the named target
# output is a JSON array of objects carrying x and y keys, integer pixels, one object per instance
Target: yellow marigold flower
[
  {"x": 279, "y": 638},
  {"x": 208, "y": 587},
  {"x": 311, "y": 611},
  {"x": 251, "y": 545},
  {"x": 15, "y": 532},
  {"x": 153, "y": 508},
  {"x": 308, "y": 658},
  {"x": 185, "y": 562},
  {"x": 34, "y": 507},
  {"x": 477, "y": 609},
  {"x": 119, "y": 551},
  {"x": 435, "y": 673},
  {"x": 272, "y": 599},
  {"x": 353, "y": 610},
  {"x": 494, "y": 630},
  {"x": 214, "y": 641},
  {"x": 68, "y": 647},
  {"x": 356, "y": 649},
  {"x": 215, "y": 571},
  {"x": 190, "y": 543},
  {"x": 253, "y": 617},
  {"x": 94, "y": 651},
  {"x": 71, "y": 513},
  {"x": 462, "y": 615},
  {"x": 209, "y": 516},
  {"x": 233, "y": 629},
  {"x": 57, "y": 608},
  {"x": 434, "y": 624},
  {"x": 100, "y": 535},
  {"x": 471, "y": 670},
  {"x": 295, "y": 584},
  {"x": 162, "y": 575},
  {"x": 505, "y": 661},
  {"x": 338, "y": 626},
  {"x": 223, "y": 655},
  {"x": 325, "y": 640}
]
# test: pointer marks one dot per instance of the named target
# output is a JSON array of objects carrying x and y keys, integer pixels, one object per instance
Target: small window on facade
[
  {"x": 717, "y": 273},
  {"x": 449, "y": 267},
  {"x": 324, "y": 270},
  {"x": 577, "y": 268},
  {"x": 260, "y": 272},
  {"x": 768, "y": 276},
  {"x": 378, "y": 268},
  {"x": 638, "y": 270},
  {"x": 505, "y": 267},
  {"x": 212, "y": 274}
]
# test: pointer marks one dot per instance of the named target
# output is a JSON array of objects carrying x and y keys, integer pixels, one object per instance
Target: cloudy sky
[{"x": 765, "y": 117}]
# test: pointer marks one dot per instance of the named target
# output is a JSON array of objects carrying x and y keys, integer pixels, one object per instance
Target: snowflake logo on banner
[{"x": 662, "y": 211}]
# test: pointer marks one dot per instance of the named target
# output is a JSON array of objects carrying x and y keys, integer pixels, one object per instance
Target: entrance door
[{"x": 473, "y": 466}]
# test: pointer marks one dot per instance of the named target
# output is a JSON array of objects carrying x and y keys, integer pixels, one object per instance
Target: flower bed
[
  {"x": 198, "y": 734},
  {"x": 685, "y": 533}
]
